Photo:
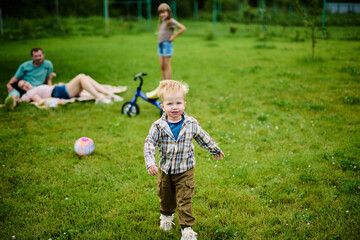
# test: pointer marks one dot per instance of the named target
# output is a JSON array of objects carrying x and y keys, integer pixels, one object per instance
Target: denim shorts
[
  {"x": 60, "y": 92},
  {"x": 165, "y": 49}
]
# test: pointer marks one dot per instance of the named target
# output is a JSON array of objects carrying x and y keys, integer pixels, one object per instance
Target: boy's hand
[
  {"x": 153, "y": 170},
  {"x": 219, "y": 156}
]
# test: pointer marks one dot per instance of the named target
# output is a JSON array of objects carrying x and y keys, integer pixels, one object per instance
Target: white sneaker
[
  {"x": 188, "y": 234},
  {"x": 166, "y": 222},
  {"x": 103, "y": 100},
  {"x": 116, "y": 98}
]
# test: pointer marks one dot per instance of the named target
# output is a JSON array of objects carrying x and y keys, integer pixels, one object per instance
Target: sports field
[{"x": 288, "y": 124}]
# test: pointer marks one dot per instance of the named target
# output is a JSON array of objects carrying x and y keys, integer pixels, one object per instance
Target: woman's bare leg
[
  {"x": 80, "y": 82},
  {"x": 98, "y": 86}
]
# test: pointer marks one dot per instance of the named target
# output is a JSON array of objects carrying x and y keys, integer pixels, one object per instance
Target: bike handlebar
[{"x": 139, "y": 75}]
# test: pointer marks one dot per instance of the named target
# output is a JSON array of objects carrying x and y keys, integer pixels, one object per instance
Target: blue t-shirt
[
  {"x": 34, "y": 75},
  {"x": 176, "y": 127}
]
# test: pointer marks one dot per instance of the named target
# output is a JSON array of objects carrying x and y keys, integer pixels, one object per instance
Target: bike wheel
[{"x": 135, "y": 110}]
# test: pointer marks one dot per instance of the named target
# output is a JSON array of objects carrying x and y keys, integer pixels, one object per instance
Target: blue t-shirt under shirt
[{"x": 176, "y": 127}]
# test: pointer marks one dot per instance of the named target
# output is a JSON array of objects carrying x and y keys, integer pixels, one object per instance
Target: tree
[{"x": 311, "y": 18}]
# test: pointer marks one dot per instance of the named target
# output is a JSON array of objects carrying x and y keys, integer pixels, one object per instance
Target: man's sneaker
[
  {"x": 9, "y": 103},
  {"x": 166, "y": 222},
  {"x": 188, "y": 234}
]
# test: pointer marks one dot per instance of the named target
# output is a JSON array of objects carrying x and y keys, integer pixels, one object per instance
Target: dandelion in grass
[{"x": 255, "y": 161}]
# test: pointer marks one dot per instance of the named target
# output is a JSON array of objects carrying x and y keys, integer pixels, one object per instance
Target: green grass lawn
[{"x": 288, "y": 125}]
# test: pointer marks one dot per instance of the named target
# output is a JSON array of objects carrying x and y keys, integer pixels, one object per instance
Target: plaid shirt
[{"x": 176, "y": 156}]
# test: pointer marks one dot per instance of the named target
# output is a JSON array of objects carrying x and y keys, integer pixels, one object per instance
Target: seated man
[{"x": 36, "y": 72}]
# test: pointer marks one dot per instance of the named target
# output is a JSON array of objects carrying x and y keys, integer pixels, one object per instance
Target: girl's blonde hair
[
  {"x": 165, "y": 8},
  {"x": 171, "y": 87}
]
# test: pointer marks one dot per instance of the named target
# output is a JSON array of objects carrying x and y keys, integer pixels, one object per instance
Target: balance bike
[{"x": 131, "y": 108}]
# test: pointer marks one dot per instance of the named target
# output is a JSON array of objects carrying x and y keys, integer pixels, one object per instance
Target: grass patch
[{"x": 288, "y": 125}]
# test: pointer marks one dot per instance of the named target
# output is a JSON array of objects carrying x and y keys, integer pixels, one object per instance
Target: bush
[{"x": 233, "y": 29}]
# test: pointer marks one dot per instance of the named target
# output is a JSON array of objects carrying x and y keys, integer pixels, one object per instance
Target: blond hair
[
  {"x": 171, "y": 87},
  {"x": 165, "y": 8}
]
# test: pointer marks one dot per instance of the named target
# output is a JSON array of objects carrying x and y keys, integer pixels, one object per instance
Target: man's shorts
[
  {"x": 60, "y": 92},
  {"x": 165, "y": 49}
]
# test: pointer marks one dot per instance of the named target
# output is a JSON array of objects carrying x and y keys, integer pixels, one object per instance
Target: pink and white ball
[{"x": 84, "y": 146}]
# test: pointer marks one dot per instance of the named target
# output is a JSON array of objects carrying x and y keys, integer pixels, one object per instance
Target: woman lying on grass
[{"x": 70, "y": 90}]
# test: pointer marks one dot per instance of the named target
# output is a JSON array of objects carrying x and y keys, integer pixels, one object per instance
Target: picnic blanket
[{"x": 84, "y": 96}]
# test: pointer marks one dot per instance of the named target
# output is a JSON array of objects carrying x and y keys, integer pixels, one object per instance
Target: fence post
[
  {"x": 1, "y": 24},
  {"x": 240, "y": 11},
  {"x": 196, "y": 8},
  {"x": 214, "y": 15},
  {"x": 106, "y": 15},
  {"x": 275, "y": 9},
  {"x": 139, "y": 11},
  {"x": 219, "y": 10},
  {"x": 324, "y": 19},
  {"x": 57, "y": 14},
  {"x": 149, "y": 13},
  {"x": 173, "y": 8}
]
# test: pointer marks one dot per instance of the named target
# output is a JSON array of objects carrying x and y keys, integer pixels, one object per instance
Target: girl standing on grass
[{"x": 167, "y": 26}]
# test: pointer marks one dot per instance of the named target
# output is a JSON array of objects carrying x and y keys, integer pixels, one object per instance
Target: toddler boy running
[{"x": 173, "y": 134}]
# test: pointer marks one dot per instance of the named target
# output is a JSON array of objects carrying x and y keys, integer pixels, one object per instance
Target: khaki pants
[{"x": 176, "y": 190}]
